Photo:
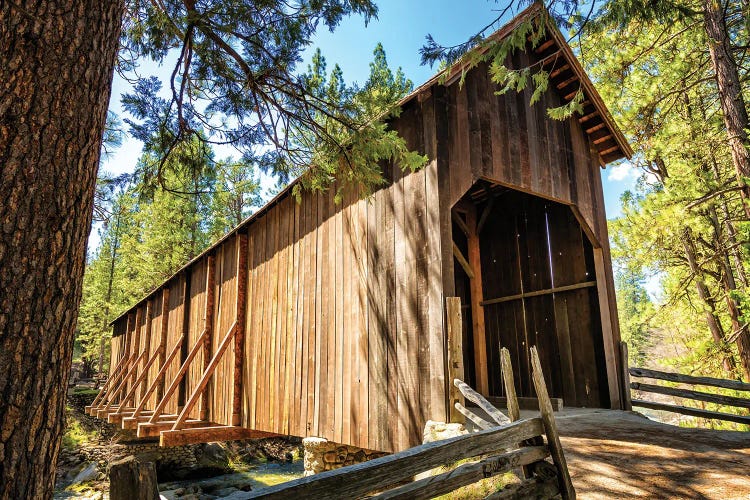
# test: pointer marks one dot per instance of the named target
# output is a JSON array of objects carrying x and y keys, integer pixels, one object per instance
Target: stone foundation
[{"x": 322, "y": 455}]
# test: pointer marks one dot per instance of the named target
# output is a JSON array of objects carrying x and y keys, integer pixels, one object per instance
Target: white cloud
[{"x": 621, "y": 172}]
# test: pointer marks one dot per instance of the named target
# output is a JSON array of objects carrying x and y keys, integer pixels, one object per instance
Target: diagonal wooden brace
[
  {"x": 132, "y": 371},
  {"x": 183, "y": 370},
  {"x": 159, "y": 377},
  {"x": 209, "y": 371},
  {"x": 136, "y": 385},
  {"x": 105, "y": 389}
]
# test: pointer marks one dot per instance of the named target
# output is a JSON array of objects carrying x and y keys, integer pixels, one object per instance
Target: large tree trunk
[
  {"x": 56, "y": 64},
  {"x": 730, "y": 93},
  {"x": 739, "y": 330},
  {"x": 712, "y": 319}
]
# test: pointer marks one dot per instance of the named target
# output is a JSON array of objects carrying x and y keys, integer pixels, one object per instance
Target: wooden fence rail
[
  {"x": 737, "y": 402},
  {"x": 500, "y": 447}
]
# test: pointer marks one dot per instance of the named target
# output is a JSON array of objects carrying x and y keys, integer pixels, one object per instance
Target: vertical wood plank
[
  {"x": 627, "y": 404},
  {"x": 321, "y": 340},
  {"x": 163, "y": 338},
  {"x": 338, "y": 316},
  {"x": 455, "y": 356},
  {"x": 249, "y": 364},
  {"x": 299, "y": 399},
  {"x": 330, "y": 292},
  {"x": 347, "y": 313},
  {"x": 477, "y": 311},
  {"x": 435, "y": 311},
  {"x": 310, "y": 317},
  {"x": 208, "y": 321},
  {"x": 239, "y": 336},
  {"x": 610, "y": 347}
]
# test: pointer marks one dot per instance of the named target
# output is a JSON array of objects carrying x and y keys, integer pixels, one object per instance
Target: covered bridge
[{"x": 325, "y": 319}]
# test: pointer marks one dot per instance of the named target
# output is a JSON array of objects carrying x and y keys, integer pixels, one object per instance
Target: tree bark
[
  {"x": 714, "y": 325},
  {"x": 56, "y": 64},
  {"x": 730, "y": 94},
  {"x": 739, "y": 330}
]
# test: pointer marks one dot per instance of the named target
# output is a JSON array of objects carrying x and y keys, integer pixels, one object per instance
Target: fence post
[
  {"x": 553, "y": 439},
  {"x": 627, "y": 403}
]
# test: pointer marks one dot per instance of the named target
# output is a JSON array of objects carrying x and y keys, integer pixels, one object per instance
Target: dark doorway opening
[{"x": 536, "y": 285}]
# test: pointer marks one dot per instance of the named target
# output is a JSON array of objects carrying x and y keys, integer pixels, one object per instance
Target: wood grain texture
[{"x": 345, "y": 327}]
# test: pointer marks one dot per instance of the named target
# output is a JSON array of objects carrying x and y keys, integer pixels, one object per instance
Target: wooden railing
[
  {"x": 501, "y": 446},
  {"x": 719, "y": 399}
]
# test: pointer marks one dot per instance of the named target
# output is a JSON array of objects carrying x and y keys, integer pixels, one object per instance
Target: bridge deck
[{"x": 617, "y": 454}]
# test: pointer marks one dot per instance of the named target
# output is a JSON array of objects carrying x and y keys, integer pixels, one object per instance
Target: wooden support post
[
  {"x": 146, "y": 348},
  {"x": 477, "y": 311},
  {"x": 123, "y": 384},
  {"x": 550, "y": 427},
  {"x": 455, "y": 356},
  {"x": 163, "y": 341},
  {"x": 239, "y": 335},
  {"x": 187, "y": 305},
  {"x": 158, "y": 381},
  {"x": 199, "y": 391},
  {"x": 136, "y": 350},
  {"x": 512, "y": 403},
  {"x": 627, "y": 404},
  {"x": 611, "y": 350},
  {"x": 180, "y": 375},
  {"x": 209, "y": 326}
]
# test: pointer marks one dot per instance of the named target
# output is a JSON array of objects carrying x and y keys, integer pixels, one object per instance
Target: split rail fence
[
  {"x": 502, "y": 445},
  {"x": 644, "y": 373}
]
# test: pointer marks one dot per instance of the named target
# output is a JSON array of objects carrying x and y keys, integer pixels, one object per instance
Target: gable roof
[
  {"x": 566, "y": 77},
  {"x": 565, "y": 71}
]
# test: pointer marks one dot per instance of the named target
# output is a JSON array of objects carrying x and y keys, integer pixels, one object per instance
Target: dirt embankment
[{"x": 615, "y": 454}]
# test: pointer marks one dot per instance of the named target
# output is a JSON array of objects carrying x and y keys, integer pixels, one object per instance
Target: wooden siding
[
  {"x": 503, "y": 139},
  {"x": 344, "y": 325}
]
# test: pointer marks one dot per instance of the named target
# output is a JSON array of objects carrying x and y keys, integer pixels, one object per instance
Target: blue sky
[{"x": 401, "y": 28}]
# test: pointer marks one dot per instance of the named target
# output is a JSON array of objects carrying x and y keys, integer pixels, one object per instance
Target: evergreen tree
[{"x": 236, "y": 193}]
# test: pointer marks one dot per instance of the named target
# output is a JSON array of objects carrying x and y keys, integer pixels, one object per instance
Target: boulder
[
  {"x": 213, "y": 456},
  {"x": 87, "y": 473}
]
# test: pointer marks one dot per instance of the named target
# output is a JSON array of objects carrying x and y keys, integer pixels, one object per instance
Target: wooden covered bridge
[{"x": 325, "y": 319}]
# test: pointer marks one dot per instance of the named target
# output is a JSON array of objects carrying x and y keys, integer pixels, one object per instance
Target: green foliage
[
  {"x": 75, "y": 435},
  {"x": 354, "y": 156},
  {"x": 660, "y": 87},
  {"x": 636, "y": 311},
  {"x": 152, "y": 232},
  {"x": 498, "y": 53},
  {"x": 235, "y": 81}
]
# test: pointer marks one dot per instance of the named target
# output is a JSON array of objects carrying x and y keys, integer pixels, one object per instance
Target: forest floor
[{"x": 617, "y": 454}]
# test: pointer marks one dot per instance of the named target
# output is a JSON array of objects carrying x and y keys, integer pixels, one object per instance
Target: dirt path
[{"x": 615, "y": 454}]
